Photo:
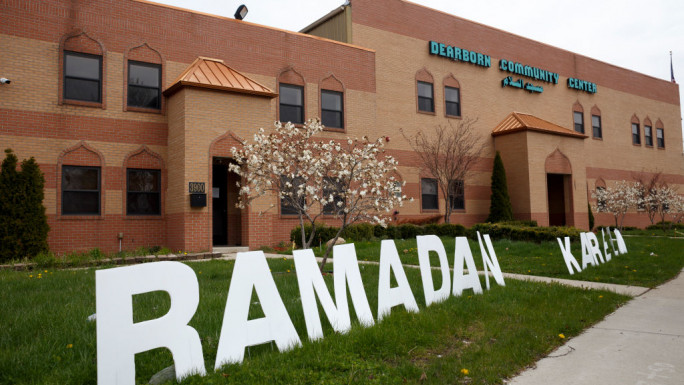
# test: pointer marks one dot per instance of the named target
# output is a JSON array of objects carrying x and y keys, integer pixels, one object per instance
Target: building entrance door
[
  {"x": 556, "y": 186},
  {"x": 226, "y": 217},
  {"x": 219, "y": 203}
]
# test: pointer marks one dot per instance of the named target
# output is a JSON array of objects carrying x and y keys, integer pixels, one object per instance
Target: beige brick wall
[{"x": 400, "y": 57}]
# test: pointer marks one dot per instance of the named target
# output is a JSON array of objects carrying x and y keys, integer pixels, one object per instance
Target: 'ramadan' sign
[{"x": 119, "y": 338}]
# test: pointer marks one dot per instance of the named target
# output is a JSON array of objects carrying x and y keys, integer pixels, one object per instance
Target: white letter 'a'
[
  {"x": 425, "y": 244},
  {"x": 463, "y": 253},
  {"x": 119, "y": 339},
  {"x": 400, "y": 295},
  {"x": 237, "y": 332}
]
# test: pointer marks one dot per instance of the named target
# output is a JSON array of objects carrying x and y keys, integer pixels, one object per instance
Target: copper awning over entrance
[
  {"x": 517, "y": 121},
  {"x": 215, "y": 74}
]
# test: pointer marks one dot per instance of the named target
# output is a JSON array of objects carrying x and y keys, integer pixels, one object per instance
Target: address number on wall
[{"x": 196, "y": 187}]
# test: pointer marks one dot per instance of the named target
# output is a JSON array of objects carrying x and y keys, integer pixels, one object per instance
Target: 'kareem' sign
[
  {"x": 119, "y": 338},
  {"x": 591, "y": 251}
]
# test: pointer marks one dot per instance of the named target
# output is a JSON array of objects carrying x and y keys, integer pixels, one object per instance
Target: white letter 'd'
[
  {"x": 119, "y": 339},
  {"x": 427, "y": 243}
]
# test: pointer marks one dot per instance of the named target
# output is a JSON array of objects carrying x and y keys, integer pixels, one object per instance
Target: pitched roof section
[
  {"x": 517, "y": 121},
  {"x": 213, "y": 73}
]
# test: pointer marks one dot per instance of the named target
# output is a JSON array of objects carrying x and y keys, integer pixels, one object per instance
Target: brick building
[{"x": 129, "y": 105}]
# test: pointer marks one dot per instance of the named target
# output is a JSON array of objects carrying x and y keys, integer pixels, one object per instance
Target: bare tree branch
[{"x": 448, "y": 153}]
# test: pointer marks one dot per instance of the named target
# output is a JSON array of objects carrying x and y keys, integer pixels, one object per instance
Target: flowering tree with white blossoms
[
  {"x": 666, "y": 201},
  {"x": 617, "y": 200},
  {"x": 677, "y": 209},
  {"x": 351, "y": 180}
]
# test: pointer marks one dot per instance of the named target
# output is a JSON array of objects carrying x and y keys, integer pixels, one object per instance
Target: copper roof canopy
[
  {"x": 215, "y": 74},
  {"x": 517, "y": 121}
]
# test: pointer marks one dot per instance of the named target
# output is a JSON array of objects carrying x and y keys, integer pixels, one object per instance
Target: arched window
[
  {"x": 452, "y": 97},
  {"x": 82, "y": 70},
  {"x": 291, "y": 87},
  {"x": 596, "y": 124},
  {"x": 636, "y": 131},
  {"x": 425, "y": 91},
  {"x": 578, "y": 117},
  {"x": 660, "y": 134}
]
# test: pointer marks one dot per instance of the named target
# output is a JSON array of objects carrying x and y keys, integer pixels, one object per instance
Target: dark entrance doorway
[
  {"x": 226, "y": 218},
  {"x": 557, "y": 198}
]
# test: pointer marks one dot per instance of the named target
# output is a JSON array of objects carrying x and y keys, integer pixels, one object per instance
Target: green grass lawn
[
  {"x": 637, "y": 267},
  {"x": 46, "y": 339}
]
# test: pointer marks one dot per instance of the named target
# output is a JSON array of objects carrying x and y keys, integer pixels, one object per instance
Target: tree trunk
[{"x": 332, "y": 244}]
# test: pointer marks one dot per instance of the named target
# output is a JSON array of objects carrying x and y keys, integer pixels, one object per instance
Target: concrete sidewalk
[{"x": 642, "y": 343}]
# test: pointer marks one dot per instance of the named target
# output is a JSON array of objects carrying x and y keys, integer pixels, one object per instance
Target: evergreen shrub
[
  {"x": 500, "y": 208},
  {"x": 23, "y": 223}
]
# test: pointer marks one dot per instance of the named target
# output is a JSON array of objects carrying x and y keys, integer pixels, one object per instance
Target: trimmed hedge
[
  {"x": 524, "y": 233},
  {"x": 624, "y": 228},
  {"x": 515, "y": 230},
  {"x": 666, "y": 225}
]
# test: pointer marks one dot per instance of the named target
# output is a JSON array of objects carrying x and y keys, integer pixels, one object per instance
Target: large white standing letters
[
  {"x": 400, "y": 295},
  {"x": 237, "y": 332},
  {"x": 490, "y": 261},
  {"x": 591, "y": 250},
  {"x": 425, "y": 244},
  {"x": 119, "y": 339},
  {"x": 471, "y": 280},
  {"x": 570, "y": 260},
  {"x": 311, "y": 283}
]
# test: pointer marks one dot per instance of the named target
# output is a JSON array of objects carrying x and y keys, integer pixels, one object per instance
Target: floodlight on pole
[{"x": 241, "y": 12}]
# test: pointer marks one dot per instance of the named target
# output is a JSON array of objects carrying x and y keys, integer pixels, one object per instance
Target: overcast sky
[{"x": 637, "y": 35}]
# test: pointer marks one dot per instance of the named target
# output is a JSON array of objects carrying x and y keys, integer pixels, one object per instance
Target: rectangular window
[
  {"x": 82, "y": 77},
  {"x": 456, "y": 195},
  {"x": 291, "y": 103},
  {"x": 332, "y": 188},
  {"x": 144, "y": 85},
  {"x": 426, "y": 100},
  {"x": 332, "y": 109},
  {"x": 428, "y": 190},
  {"x": 578, "y": 117},
  {"x": 290, "y": 187},
  {"x": 396, "y": 190},
  {"x": 636, "y": 135},
  {"x": 648, "y": 136},
  {"x": 80, "y": 190},
  {"x": 596, "y": 126},
  {"x": 660, "y": 137},
  {"x": 452, "y": 97},
  {"x": 143, "y": 195}
]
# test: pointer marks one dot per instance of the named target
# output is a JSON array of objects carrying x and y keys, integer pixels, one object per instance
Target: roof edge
[
  {"x": 182, "y": 83},
  {"x": 323, "y": 19},
  {"x": 172, "y": 7}
]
